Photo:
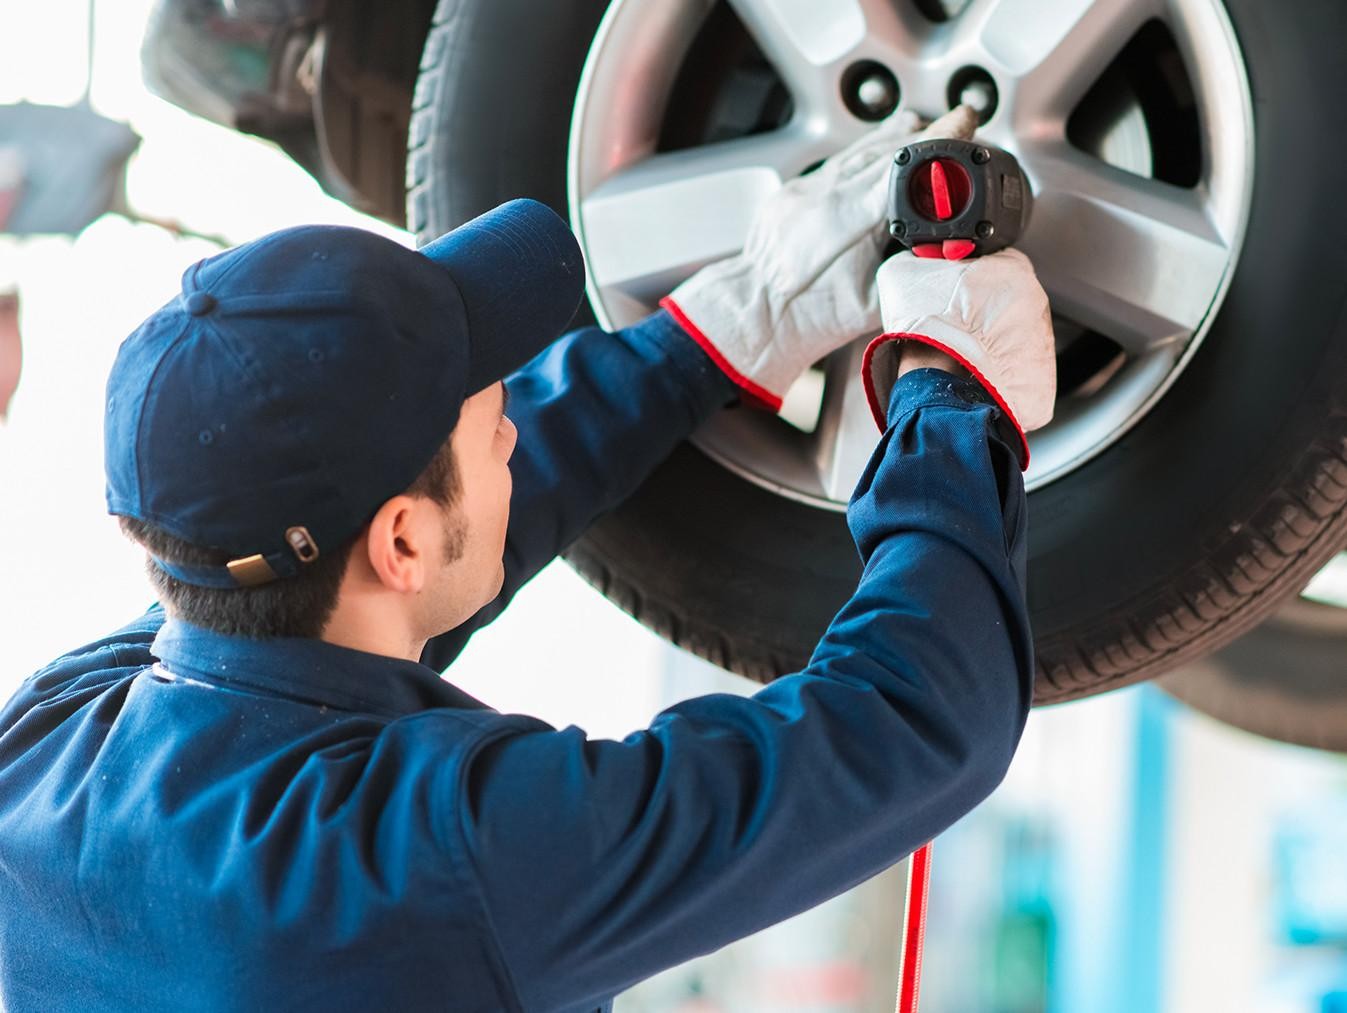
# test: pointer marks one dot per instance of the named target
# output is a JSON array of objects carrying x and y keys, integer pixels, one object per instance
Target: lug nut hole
[
  {"x": 870, "y": 91},
  {"x": 973, "y": 86}
]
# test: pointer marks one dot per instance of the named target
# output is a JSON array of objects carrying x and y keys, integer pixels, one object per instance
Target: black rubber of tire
[
  {"x": 491, "y": 111},
  {"x": 1186, "y": 533},
  {"x": 1285, "y": 680}
]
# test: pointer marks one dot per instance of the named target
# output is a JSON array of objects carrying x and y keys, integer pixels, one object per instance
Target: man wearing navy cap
[{"x": 263, "y": 794}]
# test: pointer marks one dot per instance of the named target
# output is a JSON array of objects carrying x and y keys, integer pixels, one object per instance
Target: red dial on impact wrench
[{"x": 955, "y": 199}]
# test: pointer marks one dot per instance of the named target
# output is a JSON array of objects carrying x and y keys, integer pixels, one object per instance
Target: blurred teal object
[
  {"x": 61, "y": 167},
  {"x": 1309, "y": 885},
  {"x": 1025, "y": 928}
]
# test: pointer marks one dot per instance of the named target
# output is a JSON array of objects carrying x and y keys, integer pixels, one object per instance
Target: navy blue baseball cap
[{"x": 301, "y": 380}]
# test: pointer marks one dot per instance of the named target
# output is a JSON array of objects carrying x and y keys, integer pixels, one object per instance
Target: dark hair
[{"x": 296, "y": 606}]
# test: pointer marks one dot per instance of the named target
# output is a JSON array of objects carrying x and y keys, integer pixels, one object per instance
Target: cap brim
[{"x": 520, "y": 273}]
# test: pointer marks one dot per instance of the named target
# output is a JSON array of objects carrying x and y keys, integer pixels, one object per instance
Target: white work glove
[
  {"x": 989, "y": 313},
  {"x": 804, "y": 284}
]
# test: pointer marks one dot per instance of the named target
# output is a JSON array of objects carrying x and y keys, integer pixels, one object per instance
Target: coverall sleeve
[
  {"x": 601, "y": 863},
  {"x": 596, "y": 413}
]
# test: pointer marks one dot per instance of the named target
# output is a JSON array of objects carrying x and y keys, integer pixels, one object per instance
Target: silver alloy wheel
[{"x": 1143, "y": 262}]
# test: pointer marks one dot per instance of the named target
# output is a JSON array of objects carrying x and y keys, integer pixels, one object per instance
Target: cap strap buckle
[{"x": 302, "y": 544}]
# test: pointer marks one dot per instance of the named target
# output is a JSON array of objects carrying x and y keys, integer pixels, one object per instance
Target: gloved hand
[
  {"x": 804, "y": 284},
  {"x": 989, "y": 313}
]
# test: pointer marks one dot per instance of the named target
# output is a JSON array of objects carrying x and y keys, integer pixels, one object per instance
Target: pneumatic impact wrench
[
  {"x": 956, "y": 199},
  {"x": 948, "y": 199}
]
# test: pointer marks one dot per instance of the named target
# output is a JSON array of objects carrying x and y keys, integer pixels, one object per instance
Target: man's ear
[{"x": 397, "y": 545}]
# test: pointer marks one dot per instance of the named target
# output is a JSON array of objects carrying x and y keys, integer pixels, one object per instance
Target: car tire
[
  {"x": 1285, "y": 680},
  {"x": 491, "y": 107},
  {"x": 1184, "y": 533}
]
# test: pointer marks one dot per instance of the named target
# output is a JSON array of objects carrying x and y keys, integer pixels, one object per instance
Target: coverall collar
[{"x": 305, "y": 669}]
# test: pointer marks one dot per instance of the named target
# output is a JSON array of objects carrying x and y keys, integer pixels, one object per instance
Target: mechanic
[{"x": 263, "y": 795}]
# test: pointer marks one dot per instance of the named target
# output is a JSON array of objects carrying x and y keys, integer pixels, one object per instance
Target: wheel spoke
[
  {"x": 807, "y": 41},
  {"x": 1053, "y": 49},
  {"x": 650, "y": 226},
  {"x": 1133, "y": 258},
  {"x": 845, "y": 436}
]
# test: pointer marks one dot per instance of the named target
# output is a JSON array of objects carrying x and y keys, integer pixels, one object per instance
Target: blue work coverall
[{"x": 194, "y": 821}]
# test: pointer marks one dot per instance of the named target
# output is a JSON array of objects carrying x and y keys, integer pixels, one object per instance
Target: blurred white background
[{"x": 71, "y": 574}]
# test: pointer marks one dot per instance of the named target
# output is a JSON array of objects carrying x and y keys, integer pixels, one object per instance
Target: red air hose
[{"x": 914, "y": 929}]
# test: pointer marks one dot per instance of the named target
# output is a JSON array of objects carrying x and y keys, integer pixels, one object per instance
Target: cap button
[{"x": 200, "y": 303}]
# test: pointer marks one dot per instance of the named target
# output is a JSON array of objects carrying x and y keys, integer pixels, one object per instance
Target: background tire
[
  {"x": 1285, "y": 680},
  {"x": 1180, "y": 536}
]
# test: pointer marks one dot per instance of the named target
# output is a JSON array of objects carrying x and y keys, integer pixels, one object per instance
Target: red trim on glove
[
  {"x": 880, "y": 415},
  {"x": 749, "y": 391}
]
